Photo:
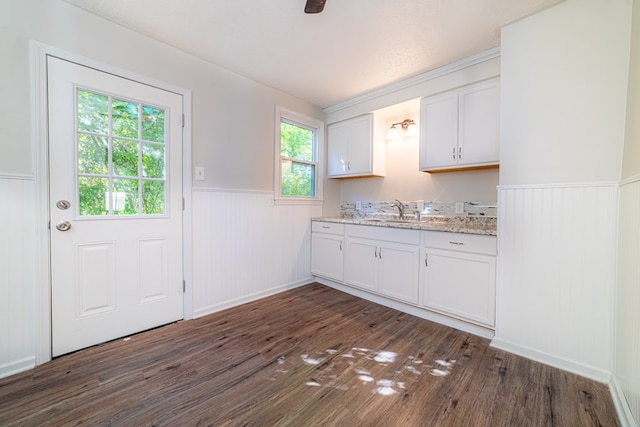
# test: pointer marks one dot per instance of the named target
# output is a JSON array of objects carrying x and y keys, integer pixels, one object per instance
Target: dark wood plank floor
[{"x": 312, "y": 356}]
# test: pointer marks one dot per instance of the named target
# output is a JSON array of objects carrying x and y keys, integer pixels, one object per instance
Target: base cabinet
[
  {"x": 460, "y": 282},
  {"x": 327, "y": 250},
  {"x": 384, "y": 267}
]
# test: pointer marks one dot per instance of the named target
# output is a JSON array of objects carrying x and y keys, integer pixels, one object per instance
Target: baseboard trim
[
  {"x": 554, "y": 361},
  {"x": 210, "y": 309},
  {"x": 17, "y": 366},
  {"x": 625, "y": 416}
]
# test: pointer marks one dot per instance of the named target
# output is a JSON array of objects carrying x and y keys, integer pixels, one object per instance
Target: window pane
[
  {"x": 91, "y": 193},
  {"x": 296, "y": 142},
  {"x": 153, "y": 197},
  {"x": 298, "y": 179},
  {"x": 152, "y": 124},
  {"x": 124, "y": 198},
  {"x": 125, "y": 118},
  {"x": 153, "y": 161},
  {"x": 93, "y": 112},
  {"x": 93, "y": 154},
  {"x": 125, "y": 158}
]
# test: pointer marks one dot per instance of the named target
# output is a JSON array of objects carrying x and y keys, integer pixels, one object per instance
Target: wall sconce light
[{"x": 407, "y": 125}]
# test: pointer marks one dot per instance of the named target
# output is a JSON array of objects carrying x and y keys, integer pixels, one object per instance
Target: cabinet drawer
[
  {"x": 474, "y": 243},
  {"x": 327, "y": 227}
]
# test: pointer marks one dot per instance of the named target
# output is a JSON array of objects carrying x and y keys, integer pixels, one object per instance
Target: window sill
[{"x": 297, "y": 201}]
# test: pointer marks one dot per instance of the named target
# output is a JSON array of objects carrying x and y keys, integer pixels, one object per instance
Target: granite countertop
[{"x": 484, "y": 225}]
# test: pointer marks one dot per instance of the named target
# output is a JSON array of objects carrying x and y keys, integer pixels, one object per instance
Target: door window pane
[
  {"x": 125, "y": 158},
  {"x": 152, "y": 124},
  {"x": 121, "y": 155},
  {"x": 153, "y": 161},
  {"x": 93, "y": 154},
  {"x": 93, "y": 112},
  {"x": 92, "y": 196}
]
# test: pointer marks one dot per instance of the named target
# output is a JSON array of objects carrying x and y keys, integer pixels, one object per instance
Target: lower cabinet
[
  {"x": 451, "y": 274},
  {"x": 384, "y": 261},
  {"x": 327, "y": 250},
  {"x": 460, "y": 282}
]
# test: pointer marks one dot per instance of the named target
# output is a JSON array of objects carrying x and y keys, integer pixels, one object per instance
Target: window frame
[{"x": 317, "y": 126}]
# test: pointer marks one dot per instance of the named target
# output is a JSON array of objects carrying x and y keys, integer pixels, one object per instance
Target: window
[
  {"x": 121, "y": 156},
  {"x": 297, "y": 157}
]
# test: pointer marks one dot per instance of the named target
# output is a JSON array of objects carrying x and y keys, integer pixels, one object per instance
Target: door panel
[{"x": 115, "y": 154}]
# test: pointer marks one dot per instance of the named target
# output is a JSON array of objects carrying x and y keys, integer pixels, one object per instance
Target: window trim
[{"x": 292, "y": 117}]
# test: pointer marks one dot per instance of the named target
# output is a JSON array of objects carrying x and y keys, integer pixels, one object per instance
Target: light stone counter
[{"x": 452, "y": 223}]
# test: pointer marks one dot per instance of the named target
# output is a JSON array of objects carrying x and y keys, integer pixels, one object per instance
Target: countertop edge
[{"x": 431, "y": 224}]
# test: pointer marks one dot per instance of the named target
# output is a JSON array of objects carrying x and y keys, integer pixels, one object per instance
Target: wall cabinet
[
  {"x": 460, "y": 128},
  {"x": 353, "y": 149},
  {"x": 384, "y": 261},
  {"x": 458, "y": 275},
  {"x": 327, "y": 250}
]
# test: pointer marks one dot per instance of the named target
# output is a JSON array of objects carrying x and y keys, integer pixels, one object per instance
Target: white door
[{"x": 115, "y": 164}]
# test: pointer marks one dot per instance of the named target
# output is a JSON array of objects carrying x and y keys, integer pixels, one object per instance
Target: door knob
[{"x": 63, "y": 225}]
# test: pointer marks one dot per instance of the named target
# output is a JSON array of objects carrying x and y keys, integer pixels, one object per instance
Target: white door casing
[{"x": 111, "y": 275}]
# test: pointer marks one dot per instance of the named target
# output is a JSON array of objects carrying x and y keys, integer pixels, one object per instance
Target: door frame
[{"x": 40, "y": 149}]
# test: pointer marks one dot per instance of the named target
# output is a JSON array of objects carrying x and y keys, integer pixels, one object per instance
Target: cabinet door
[
  {"x": 337, "y": 149},
  {"x": 439, "y": 131},
  {"x": 361, "y": 263},
  {"x": 460, "y": 284},
  {"x": 327, "y": 256},
  {"x": 361, "y": 146},
  {"x": 399, "y": 268},
  {"x": 479, "y": 133}
]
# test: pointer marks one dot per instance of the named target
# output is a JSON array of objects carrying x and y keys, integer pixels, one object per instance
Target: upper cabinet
[
  {"x": 353, "y": 149},
  {"x": 460, "y": 128}
]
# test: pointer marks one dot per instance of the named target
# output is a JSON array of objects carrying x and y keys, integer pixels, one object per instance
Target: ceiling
[{"x": 351, "y": 48}]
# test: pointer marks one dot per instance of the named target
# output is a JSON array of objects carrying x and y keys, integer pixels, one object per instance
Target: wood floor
[{"x": 312, "y": 356}]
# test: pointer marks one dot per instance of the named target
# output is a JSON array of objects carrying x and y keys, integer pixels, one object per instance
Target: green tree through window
[
  {"x": 121, "y": 156},
  {"x": 297, "y": 160}
]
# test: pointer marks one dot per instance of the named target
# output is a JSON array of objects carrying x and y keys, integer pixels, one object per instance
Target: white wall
[
  {"x": 232, "y": 137},
  {"x": 627, "y": 345},
  {"x": 564, "y": 74}
]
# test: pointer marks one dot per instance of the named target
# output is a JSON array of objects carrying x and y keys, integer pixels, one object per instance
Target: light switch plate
[
  {"x": 459, "y": 207},
  {"x": 358, "y": 205},
  {"x": 199, "y": 173}
]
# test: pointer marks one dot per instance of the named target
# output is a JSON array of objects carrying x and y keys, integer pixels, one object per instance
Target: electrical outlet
[
  {"x": 199, "y": 173},
  {"x": 358, "y": 205},
  {"x": 459, "y": 207},
  {"x": 420, "y": 205}
]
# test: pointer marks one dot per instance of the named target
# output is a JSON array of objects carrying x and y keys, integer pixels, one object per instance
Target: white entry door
[{"x": 115, "y": 164}]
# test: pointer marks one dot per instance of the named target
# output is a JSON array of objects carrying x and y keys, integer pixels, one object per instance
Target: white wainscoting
[
  {"x": 556, "y": 275},
  {"x": 626, "y": 384},
  {"x": 245, "y": 247},
  {"x": 17, "y": 275}
]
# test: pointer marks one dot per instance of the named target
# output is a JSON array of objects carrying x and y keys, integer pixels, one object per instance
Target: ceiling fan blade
[{"x": 314, "y": 6}]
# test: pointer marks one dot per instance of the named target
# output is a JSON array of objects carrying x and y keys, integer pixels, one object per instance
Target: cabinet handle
[
  {"x": 457, "y": 243},
  {"x": 426, "y": 262},
  {"x": 349, "y": 165},
  {"x": 375, "y": 252},
  {"x": 325, "y": 227},
  {"x": 453, "y": 155},
  {"x": 459, "y": 152},
  {"x": 340, "y": 246},
  {"x": 380, "y": 253}
]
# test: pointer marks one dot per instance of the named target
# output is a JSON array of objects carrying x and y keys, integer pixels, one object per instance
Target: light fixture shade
[
  {"x": 393, "y": 133},
  {"x": 412, "y": 130}
]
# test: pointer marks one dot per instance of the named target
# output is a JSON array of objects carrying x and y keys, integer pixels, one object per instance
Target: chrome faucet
[{"x": 398, "y": 204}]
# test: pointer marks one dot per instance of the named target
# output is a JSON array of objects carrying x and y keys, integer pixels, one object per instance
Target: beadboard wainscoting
[
  {"x": 556, "y": 275},
  {"x": 245, "y": 247},
  {"x": 17, "y": 275},
  {"x": 626, "y": 384}
]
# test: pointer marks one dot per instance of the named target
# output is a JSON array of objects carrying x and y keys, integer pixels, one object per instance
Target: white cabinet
[
  {"x": 353, "y": 149},
  {"x": 384, "y": 261},
  {"x": 327, "y": 250},
  {"x": 458, "y": 275},
  {"x": 460, "y": 128}
]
